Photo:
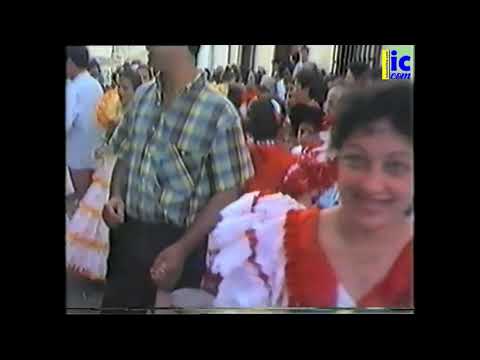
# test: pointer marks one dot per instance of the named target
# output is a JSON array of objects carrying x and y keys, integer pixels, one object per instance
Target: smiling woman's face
[{"x": 375, "y": 176}]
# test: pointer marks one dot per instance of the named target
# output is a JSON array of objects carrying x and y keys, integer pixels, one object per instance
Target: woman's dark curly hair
[
  {"x": 312, "y": 79},
  {"x": 133, "y": 76},
  {"x": 302, "y": 113},
  {"x": 392, "y": 100},
  {"x": 263, "y": 120}
]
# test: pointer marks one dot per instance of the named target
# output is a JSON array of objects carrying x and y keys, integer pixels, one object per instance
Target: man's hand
[
  {"x": 114, "y": 212},
  {"x": 168, "y": 267}
]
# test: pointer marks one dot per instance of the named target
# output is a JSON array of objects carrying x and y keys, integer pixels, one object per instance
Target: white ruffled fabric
[
  {"x": 229, "y": 251},
  {"x": 87, "y": 243},
  {"x": 86, "y": 261}
]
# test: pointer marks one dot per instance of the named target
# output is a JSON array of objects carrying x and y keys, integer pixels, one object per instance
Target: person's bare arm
[
  {"x": 167, "y": 267},
  {"x": 231, "y": 168},
  {"x": 118, "y": 187},
  {"x": 206, "y": 220}
]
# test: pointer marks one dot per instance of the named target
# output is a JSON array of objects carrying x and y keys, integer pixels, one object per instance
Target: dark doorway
[
  {"x": 282, "y": 53},
  {"x": 247, "y": 56}
]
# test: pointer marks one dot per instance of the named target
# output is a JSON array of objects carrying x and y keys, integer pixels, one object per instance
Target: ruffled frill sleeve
[
  {"x": 309, "y": 174},
  {"x": 109, "y": 110},
  {"x": 245, "y": 251},
  {"x": 87, "y": 243}
]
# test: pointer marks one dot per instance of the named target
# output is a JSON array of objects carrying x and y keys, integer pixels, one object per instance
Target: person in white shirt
[
  {"x": 268, "y": 83},
  {"x": 304, "y": 60},
  {"x": 283, "y": 76},
  {"x": 83, "y": 136}
]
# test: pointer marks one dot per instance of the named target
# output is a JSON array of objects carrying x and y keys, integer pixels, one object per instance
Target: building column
[
  {"x": 234, "y": 54},
  {"x": 204, "y": 57},
  {"x": 97, "y": 51},
  {"x": 322, "y": 56},
  {"x": 264, "y": 57},
  {"x": 220, "y": 55}
]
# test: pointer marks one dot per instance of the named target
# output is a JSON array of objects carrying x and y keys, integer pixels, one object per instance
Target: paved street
[{"x": 81, "y": 294}]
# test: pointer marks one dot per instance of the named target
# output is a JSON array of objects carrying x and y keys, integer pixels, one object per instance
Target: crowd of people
[{"x": 236, "y": 188}]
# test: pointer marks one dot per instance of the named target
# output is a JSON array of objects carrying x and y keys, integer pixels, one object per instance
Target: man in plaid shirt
[{"x": 182, "y": 159}]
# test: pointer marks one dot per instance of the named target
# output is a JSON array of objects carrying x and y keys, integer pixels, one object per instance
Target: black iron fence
[{"x": 343, "y": 55}]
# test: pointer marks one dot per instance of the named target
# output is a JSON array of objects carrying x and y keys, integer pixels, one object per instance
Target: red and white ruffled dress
[
  {"x": 265, "y": 253},
  {"x": 277, "y": 170},
  {"x": 317, "y": 153}
]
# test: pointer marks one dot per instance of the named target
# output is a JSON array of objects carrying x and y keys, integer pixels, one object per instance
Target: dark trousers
[
  {"x": 133, "y": 248},
  {"x": 83, "y": 294}
]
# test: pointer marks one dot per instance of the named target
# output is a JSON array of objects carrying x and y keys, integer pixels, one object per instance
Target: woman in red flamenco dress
[
  {"x": 304, "y": 177},
  {"x": 270, "y": 155},
  {"x": 270, "y": 250}
]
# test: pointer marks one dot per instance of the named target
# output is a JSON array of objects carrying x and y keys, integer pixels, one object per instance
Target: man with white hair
[
  {"x": 333, "y": 97},
  {"x": 269, "y": 83},
  {"x": 83, "y": 92},
  {"x": 217, "y": 75},
  {"x": 304, "y": 60},
  {"x": 359, "y": 75}
]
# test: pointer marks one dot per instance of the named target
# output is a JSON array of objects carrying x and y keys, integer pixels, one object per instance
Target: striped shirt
[{"x": 181, "y": 156}]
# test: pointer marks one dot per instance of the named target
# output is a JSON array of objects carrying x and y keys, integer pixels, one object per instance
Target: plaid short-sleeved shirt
[
  {"x": 121, "y": 132},
  {"x": 180, "y": 157}
]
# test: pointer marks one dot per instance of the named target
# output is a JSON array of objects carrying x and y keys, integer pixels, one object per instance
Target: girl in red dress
[
  {"x": 276, "y": 169},
  {"x": 269, "y": 250},
  {"x": 313, "y": 131},
  {"x": 302, "y": 177},
  {"x": 270, "y": 155}
]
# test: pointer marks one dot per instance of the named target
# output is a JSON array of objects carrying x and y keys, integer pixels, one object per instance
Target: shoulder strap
[
  {"x": 207, "y": 163},
  {"x": 211, "y": 178}
]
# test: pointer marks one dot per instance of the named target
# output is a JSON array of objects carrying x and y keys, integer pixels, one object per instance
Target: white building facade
[
  {"x": 223, "y": 55},
  {"x": 211, "y": 56}
]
